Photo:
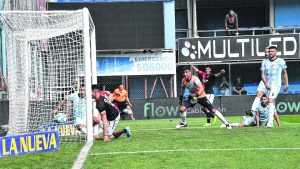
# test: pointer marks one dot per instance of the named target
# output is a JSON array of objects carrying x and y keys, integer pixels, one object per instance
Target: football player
[
  {"x": 196, "y": 95},
  {"x": 109, "y": 114},
  {"x": 259, "y": 117}
]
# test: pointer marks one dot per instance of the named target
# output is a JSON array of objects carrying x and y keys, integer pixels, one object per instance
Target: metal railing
[{"x": 182, "y": 33}]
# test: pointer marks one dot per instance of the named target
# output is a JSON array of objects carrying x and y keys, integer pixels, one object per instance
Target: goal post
[{"x": 49, "y": 54}]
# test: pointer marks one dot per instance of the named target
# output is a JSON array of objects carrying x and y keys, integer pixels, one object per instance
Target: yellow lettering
[
  {"x": 62, "y": 130},
  {"x": 53, "y": 141},
  {"x": 30, "y": 146},
  {"x": 24, "y": 146},
  {"x": 38, "y": 142},
  {"x": 5, "y": 152},
  {"x": 68, "y": 130},
  {"x": 72, "y": 131},
  {"x": 13, "y": 146},
  {"x": 46, "y": 141}
]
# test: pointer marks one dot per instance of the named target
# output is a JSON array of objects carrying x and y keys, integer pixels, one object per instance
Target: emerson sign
[
  {"x": 237, "y": 48},
  {"x": 136, "y": 64}
]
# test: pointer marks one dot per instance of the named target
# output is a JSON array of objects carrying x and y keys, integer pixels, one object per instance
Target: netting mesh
[{"x": 45, "y": 62}]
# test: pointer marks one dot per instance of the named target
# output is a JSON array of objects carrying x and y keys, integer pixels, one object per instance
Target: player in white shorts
[
  {"x": 109, "y": 113},
  {"x": 261, "y": 85},
  {"x": 259, "y": 117},
  {"x": 271, "y": 71}
]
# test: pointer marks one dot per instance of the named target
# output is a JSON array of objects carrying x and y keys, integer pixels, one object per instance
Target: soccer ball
[{"x": 60, "y": 118}]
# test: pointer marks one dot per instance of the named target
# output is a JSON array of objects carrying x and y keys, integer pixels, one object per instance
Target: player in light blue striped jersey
[
  {"x": 271, "y": 71},
  {"x": 259, "y": 117}
]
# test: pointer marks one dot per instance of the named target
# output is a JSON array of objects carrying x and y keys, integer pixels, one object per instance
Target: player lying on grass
[
  {"x": 109, "y": 114},
  {"x": 197, "y": 95},
  {"x": 259, "y": 117},
  {"x": 77, "y": 103}
]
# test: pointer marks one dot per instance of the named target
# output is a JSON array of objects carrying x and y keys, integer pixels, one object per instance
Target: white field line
[
  {"x": 195, "y": 150},
  {"x": 82, "y": 155},
  {"x": 173, "y": 128},
  {"x": 154, "y": 122}
]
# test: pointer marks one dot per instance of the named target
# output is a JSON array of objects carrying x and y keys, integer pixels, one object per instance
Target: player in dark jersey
[
  {"x": 110, "y": 114},
  {"x": 208, "y": 80}
]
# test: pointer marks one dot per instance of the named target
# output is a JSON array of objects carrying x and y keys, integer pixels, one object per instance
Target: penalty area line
[{"x": 195, "y": 150}]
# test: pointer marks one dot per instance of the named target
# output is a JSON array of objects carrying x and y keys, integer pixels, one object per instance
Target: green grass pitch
[{"x": 156, "y": 144}]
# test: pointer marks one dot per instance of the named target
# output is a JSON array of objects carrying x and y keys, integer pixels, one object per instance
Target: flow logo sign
[{"x": 241, "y": 48}]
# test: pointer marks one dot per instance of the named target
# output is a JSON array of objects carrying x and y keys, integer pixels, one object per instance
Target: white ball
[{"x": 60, "y": 118}]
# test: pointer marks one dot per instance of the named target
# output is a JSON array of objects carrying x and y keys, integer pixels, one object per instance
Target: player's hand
[
  {"x": 285, "y": 89},
  {"x": 223, "y": 71},
  {"x": 106, "y": 139},
  {"x": 193, "y": 98}
]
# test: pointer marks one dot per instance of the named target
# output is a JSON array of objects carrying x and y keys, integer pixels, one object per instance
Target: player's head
[
  {"x": 121, "y": 87},
  {"x": 187, "y": 74},
  {"x": 207, "y": 70},
  {"x": 231, "y": 12},
  {"x": 264, "y": 99},
  {"x": 267, "y": 52},
  {"x": 95, "y": 90},
  {"x": 82, "y": 91},
  {"x": 272, "y": 51}
]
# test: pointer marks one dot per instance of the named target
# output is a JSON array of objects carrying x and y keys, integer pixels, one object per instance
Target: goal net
[{"x": 48, "y": 59}]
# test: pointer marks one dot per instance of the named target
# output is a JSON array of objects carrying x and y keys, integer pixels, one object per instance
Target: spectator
[
  {"x": 3, "y": 86},
  {"x": 238, "y": 87},
  {"x": 224, "y": 90},
  {"x": 231, "y": 22}
]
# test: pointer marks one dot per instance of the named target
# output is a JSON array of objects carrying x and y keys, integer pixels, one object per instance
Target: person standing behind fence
[
  {"x": 122, "y": 101},
  {"x": 231, "y": 22}
]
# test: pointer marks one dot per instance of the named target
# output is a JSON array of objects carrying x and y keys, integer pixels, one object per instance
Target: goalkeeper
[
  {"x": 259, "y": 117},
  {"x": 77, "y": 102},
  {"x": 197, "y": 95}
]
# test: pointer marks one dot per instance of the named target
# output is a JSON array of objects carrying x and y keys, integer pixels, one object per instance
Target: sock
[
  {"x": 118, "y": 133},
  {"x": 271, "y": 114},
  {"x": 235, "y": 124},
  {"x": 255, "y": 103},
  {"x": 183, "y": 117},
  {"x": 221, "y": 117},
  {"x": 207, "y": 118}
]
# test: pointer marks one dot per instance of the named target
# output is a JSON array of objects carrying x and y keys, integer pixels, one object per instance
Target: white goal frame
[{"x": 90, "y": 75}]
